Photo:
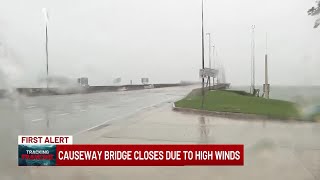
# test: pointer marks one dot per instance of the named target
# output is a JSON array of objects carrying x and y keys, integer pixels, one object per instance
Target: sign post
[{"x": 207, "y": 73}]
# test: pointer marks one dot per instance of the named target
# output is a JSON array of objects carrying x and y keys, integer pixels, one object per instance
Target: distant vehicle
[
  {"x": 151, "y": 86},
  {"x": 312, "y": 113},
  {"x": 85, "y": 85},
  {"x": 123, "y": 89}
]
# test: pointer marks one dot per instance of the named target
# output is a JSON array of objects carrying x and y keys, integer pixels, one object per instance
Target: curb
[{"x": 228, "y": 114}]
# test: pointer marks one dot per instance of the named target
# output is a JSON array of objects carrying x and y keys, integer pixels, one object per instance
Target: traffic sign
[{"x": 207, "y": 72}]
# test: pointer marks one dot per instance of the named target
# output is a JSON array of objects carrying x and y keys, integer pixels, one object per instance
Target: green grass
[{"x": 239, "y": 102}]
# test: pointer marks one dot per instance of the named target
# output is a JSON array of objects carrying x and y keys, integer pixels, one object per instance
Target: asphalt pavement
[{"x": 75, "y": 114}]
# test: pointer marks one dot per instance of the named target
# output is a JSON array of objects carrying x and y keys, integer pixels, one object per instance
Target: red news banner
[{"x": 149, "y": 155}]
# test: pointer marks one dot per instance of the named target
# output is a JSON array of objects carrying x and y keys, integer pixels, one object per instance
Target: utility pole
[
  {"x": 253, "y": 62},
  {"x": 208, "y": 34},
  {"x": 47, "y": 56},
  {"x": 266, "y": 87},
  {"x": 213, "y": 51},
  {"x": 202, "y": 54}
]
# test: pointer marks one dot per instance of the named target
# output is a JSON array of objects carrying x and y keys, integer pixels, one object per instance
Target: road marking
[
  {"x": 36, "y": 120},
  {"x": 86, "y": 130},
  {"x": 83, "y": 110},
  {"x": 30, "y": 107},
  {"x": 78, "y": 101},
  {"x": 63, "y": 114}
]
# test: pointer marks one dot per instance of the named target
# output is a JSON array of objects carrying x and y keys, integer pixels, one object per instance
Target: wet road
[
  {"x": 70, "y": 115},
  {"x": 74, "y": 114}
]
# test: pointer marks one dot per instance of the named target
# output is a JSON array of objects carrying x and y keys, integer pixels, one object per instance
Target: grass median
[{"x": 239, "y": 102}]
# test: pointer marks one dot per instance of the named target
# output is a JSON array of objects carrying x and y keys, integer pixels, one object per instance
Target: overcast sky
[{"x": 158, "y": 39}]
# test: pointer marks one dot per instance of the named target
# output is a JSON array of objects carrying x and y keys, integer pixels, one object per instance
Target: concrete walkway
[{"x": 273, "y": 150}]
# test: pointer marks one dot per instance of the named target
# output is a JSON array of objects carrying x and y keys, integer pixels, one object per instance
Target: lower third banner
[
  {"x": 131, "y": 155},
  {"x": 149, "y": 155}
]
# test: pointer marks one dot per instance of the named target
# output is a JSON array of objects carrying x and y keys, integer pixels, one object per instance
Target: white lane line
[
  {"x": 30, "y": 107},
  {"x": 83, "y": 110},
  {"x": 63, "y": 114},
  {"x": 78, "y": 101},
  {"x": 36, "y": 120}
]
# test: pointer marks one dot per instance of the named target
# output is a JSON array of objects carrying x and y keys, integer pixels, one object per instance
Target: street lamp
[
  {"x": 202, "y": 51},
  {"x": 253, "y": 60},
  {"x": 208, "y": 34},
  {"x": 213, "y": 51},
  {"x": 45, "y": 13}
]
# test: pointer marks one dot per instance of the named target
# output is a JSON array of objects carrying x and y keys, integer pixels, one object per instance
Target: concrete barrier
[
  {"x": 93, "y": 89},
  {"x": 133, "y": 87},
  {"x": 166, "y": 85},
  {"x": 231, "y": 115},
  {"x": 90, "y": 89}
]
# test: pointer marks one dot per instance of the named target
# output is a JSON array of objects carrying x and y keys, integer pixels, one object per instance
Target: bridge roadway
[{"x": 74, "y": 114}]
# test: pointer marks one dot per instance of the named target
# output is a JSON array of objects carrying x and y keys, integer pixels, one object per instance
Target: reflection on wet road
[{"x": 204, "y": 130}]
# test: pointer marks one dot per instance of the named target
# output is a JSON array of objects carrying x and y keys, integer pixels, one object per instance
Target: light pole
[
  {"x": 253, "y": 61},
  {"x": 208, "y": 34},
  {"x": 213, "y": 51},
  {"x": 202, "y": 51},
  {"x": 45, "y": 13},
  {"x": 266, "y": 87}
]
